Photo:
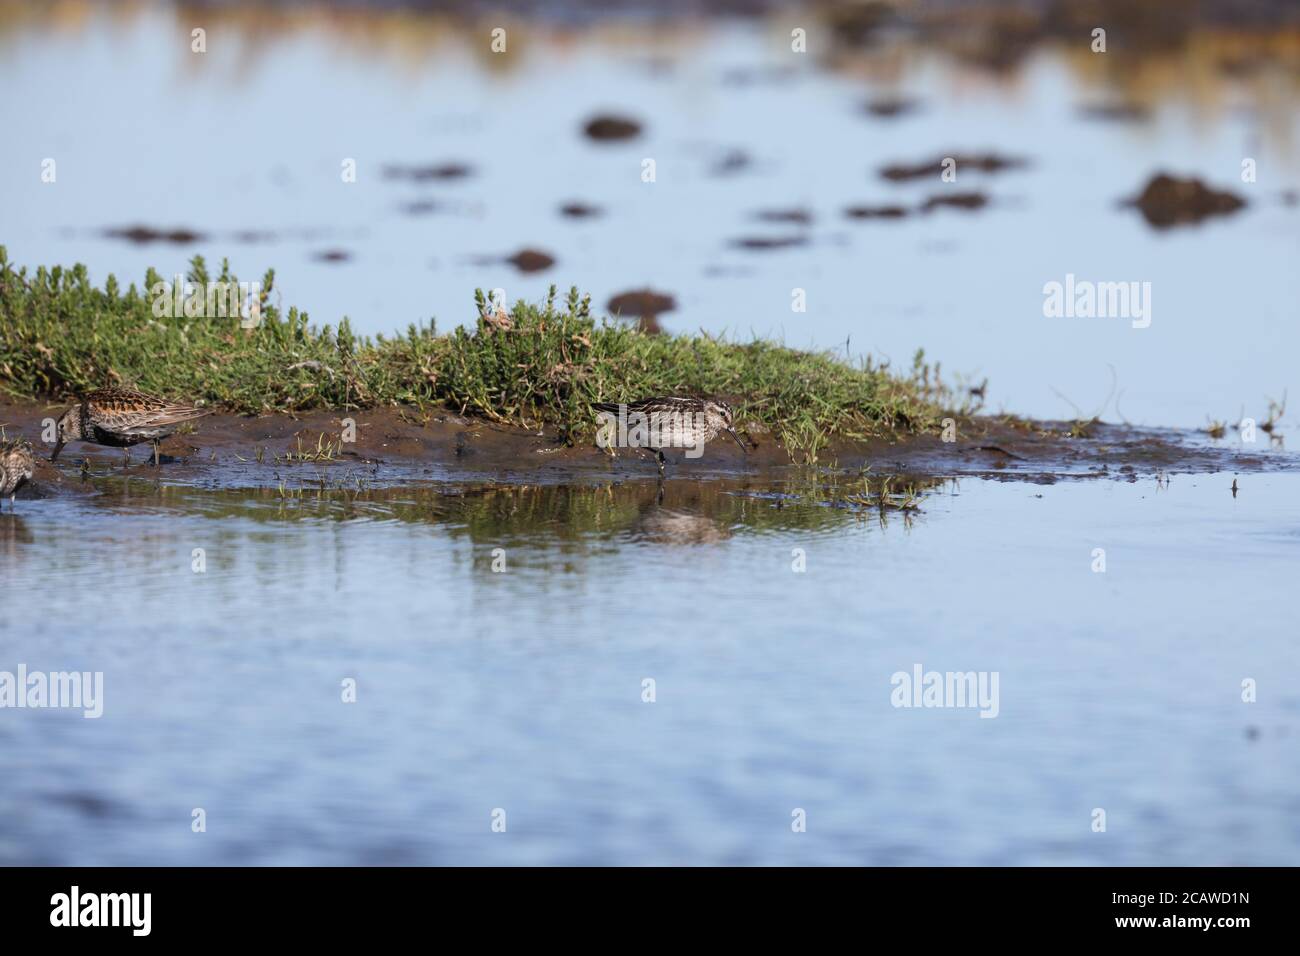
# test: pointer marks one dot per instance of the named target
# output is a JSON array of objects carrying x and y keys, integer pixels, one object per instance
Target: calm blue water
[{"x": 521, "y": 690}]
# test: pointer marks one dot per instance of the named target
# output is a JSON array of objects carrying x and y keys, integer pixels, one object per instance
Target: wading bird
[
  {"x": 122, "y": 417},
  {"x": 673, "y": 422},
  {"x": 17, "y": 465}
]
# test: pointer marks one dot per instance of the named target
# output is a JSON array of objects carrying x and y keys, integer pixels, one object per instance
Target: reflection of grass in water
[
  {"x": 688, "y": 512},
  {"x": 864, "y": 493},
  {"x": 537, "y": 365}
]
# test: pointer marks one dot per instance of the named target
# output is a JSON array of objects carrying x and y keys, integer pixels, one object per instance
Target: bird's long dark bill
[
  {"x": 57, "y": 448},
  {"x": 736, "y": 438}
]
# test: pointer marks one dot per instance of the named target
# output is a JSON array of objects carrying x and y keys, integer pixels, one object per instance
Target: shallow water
[
  {"x": 521, "y": 690},
  {"x": 251, "y": 136}
]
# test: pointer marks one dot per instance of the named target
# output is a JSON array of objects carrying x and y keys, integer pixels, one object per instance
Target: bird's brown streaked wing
[
  {"x": 122, "y": 412},
  {"x": 175, "y": 414},
  {"x": 667, "y": 403},
  {"x": 121, "y": 398},
  {"x": 111, "y": 401}
]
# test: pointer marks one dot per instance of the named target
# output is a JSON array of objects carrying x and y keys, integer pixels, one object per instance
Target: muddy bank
[{"x": 398, "y": 446}]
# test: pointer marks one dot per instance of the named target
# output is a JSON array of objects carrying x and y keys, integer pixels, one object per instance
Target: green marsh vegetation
[{"x": 537, "y": 365}]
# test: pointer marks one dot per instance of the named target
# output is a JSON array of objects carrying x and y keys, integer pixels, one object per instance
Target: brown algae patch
[
  {"x": 608, "y": 128},
  {"x": 890, "y": 211},
  {"x": 969, "y": 201},
  {"x": 1169, "y": 201},
  {"x": 145, "y": 235},
  {"x": 965, "y": 162},
  {"x": 768, "y": 243},
  {"x": 531, "y": 260},
  {"x": 427, "y": 172}
]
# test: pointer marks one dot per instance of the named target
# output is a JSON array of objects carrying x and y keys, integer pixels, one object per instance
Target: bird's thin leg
[{"x": 155, "y": 453}]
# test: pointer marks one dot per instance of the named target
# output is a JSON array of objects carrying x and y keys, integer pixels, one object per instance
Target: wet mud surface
[{"x": 397, "y": 446}]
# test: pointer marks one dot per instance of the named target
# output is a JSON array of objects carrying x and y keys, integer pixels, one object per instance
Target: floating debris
[
  {"x": 765, "y": 243},
  {"x": 875, "y": 212},
  {"x": 891, "y": 107},
  {"x": 1168, "y": 201},
  {"x": 609, "y": 128},
  {"x": 732, "y": 162},
  {"x": 968, "y": 201},
  {"x": 580, "y": 210},
  {"x": 795, "y": 217},
  {"x": 644, "y": 305},
  {"x": 332, "y": 255},
  {"x": 435, "y": 172},
  {"x": 641, "y": 303},
  {"x": 147, "y": 234},
  {"x": 979, "y": 162},
  {"x": 531, "y": 260}
]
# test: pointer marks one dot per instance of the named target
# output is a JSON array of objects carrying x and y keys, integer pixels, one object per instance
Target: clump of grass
[
  {"x": 1083, "y": 428},
  {"x": 1275, "y": 412},
  {"x": 326, "y": 450},
  {"x": 538, "y": 364}
]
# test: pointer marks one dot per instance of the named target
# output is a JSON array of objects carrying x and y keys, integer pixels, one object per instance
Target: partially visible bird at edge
[
  {"x": 679, "y": 422},
  {"x": 122, "y": 417},
  {"x": 17, "y": 465}
]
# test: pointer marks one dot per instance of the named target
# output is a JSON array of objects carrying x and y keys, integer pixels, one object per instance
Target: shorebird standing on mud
[
  {"x": 17, "y": 465},
  {"x": 673, "y": 423},
  {"x": 122, "y": 417}
]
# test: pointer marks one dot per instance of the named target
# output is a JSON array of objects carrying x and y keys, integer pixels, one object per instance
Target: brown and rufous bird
[
  {"x": 17, "y": 465},
  {"x": 122, "y": 417}
]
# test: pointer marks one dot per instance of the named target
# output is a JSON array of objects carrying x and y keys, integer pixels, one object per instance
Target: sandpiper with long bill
[
  {"x": 17, "y": 465},
  {"x": 675, "y": 422},
  {"x": 122, "y": 417}
]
